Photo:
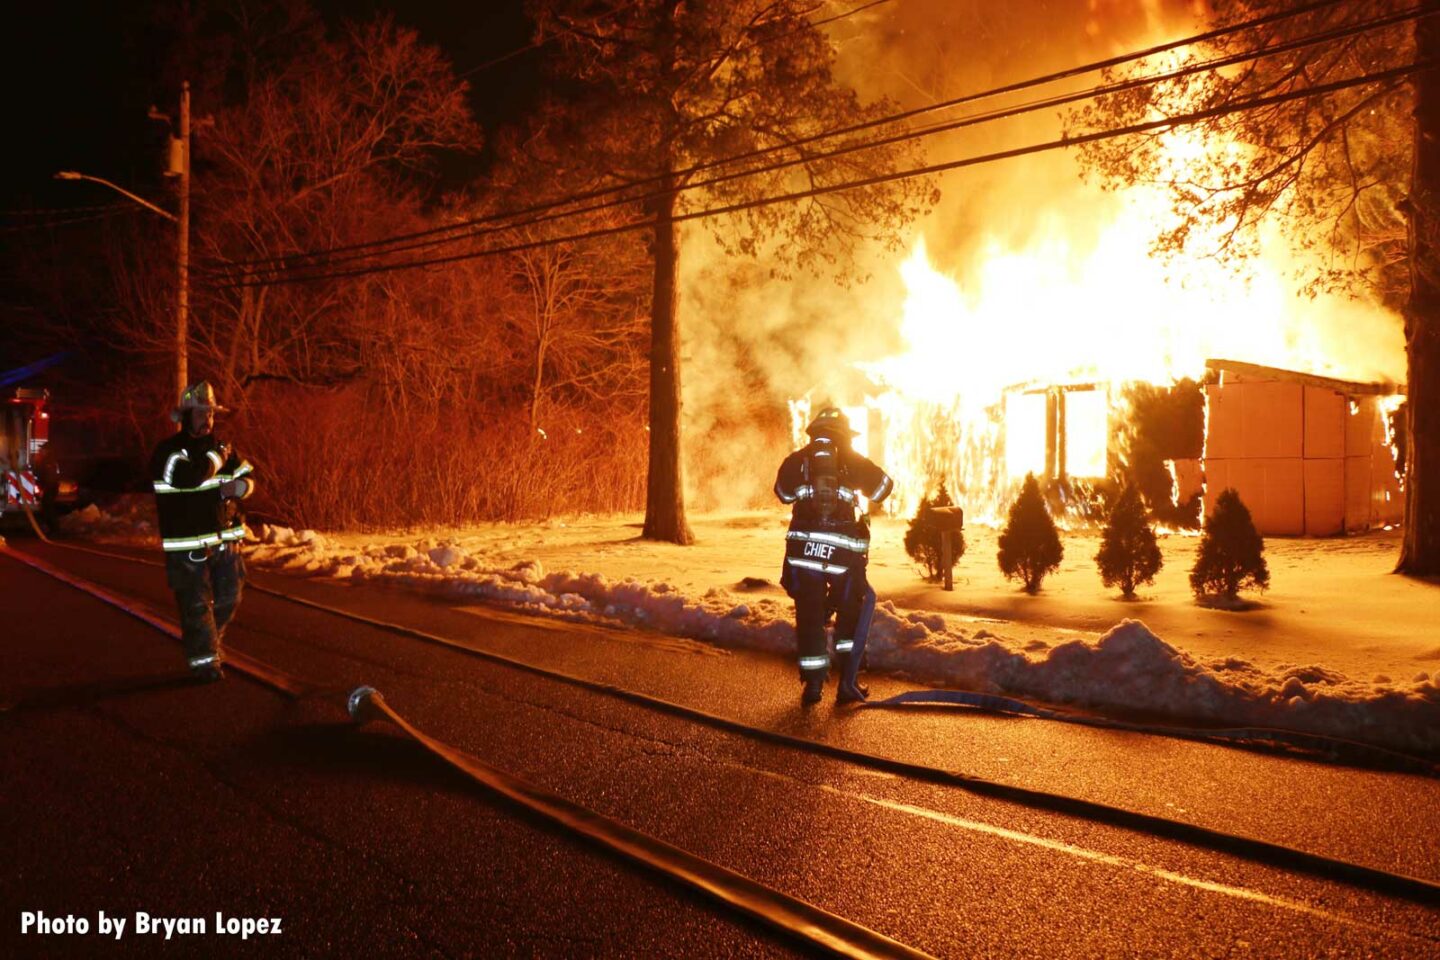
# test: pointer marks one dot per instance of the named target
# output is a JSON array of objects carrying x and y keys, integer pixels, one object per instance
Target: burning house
[
  {"x": 1058, "y": 432},
  {"x": 1310, "y": 455},
  {"x": 1034, "y": 306}
]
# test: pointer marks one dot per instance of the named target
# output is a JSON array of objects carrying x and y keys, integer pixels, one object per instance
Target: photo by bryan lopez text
[{"x": 38, "y": 923}]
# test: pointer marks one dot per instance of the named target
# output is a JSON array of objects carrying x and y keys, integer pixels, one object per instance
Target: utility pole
[
  {"x": 182, "y": 296},
  {"x": 178, "y": 165}
]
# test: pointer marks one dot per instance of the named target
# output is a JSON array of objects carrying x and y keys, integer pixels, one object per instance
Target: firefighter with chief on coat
[
  {"x": 826, "y": 550},
  {"x": 198, "y": 482}
]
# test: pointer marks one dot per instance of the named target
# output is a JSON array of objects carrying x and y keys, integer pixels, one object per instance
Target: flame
[
  {"x": 992, "y": 347},
  {"x": 1388, "y": 406}
]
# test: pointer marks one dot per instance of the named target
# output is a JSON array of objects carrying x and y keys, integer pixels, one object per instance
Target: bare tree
[
  {"x": 321, "y": 149},
  {"x": 580, "y": 320}
]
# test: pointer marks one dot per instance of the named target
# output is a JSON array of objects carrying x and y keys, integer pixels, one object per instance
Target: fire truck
[{"x": 27, "y": 477}]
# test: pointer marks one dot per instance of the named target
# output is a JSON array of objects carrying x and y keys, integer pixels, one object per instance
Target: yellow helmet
[{"x": 197, "y": 396}]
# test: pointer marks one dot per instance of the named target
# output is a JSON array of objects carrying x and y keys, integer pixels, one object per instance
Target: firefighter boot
[
  {"x": 814, "y": 689},
  {"x": 847, "y": 691}
]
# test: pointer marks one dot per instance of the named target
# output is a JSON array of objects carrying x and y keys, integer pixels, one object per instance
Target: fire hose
[
  {"x": 737, "y": 891},
  {"x": 1398, "y": 884},
  {"x": 789, "y": 915},
  {"x": 256, "y": 669},
  {"x": 1313, "y": 742},
  {"x": 1352, "y": 750},
  {"x": 1009, "y": 706}
]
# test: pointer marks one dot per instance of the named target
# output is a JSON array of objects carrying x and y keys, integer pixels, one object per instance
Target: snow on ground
[{"x": 1338, "y": 646}]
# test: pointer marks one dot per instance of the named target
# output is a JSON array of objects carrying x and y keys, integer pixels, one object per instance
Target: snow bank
[
  {"x": 1128, "y": 669},
  {"x": 125, "y": 520}
]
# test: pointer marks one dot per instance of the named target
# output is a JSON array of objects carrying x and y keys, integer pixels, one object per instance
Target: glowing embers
[{"x": 1057, "y": 432}]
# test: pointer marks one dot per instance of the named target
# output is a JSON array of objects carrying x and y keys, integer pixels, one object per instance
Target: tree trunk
[
  {"x": 1420, "y": 550},
  {"x": 537, "y": 387},
  {"x": 664, "y": 485}
]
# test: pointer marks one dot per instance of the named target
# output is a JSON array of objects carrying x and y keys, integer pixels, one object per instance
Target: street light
[
  {"x": 72, "y": 175},
  {"x": 179, "y": 167}
]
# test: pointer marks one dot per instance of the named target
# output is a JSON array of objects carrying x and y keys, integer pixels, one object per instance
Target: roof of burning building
[{"x": 1260, "y": 372}]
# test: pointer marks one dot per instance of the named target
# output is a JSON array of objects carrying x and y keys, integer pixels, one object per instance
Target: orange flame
[{"x": 954, "y": 402}]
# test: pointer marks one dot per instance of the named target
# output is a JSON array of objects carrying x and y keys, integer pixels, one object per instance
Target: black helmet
[{"x": 831, "y": 422}]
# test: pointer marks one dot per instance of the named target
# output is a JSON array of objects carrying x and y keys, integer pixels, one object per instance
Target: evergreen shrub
[
  {"x": 1232, "y": 552},
  {"x": 1030, "y": 544}
]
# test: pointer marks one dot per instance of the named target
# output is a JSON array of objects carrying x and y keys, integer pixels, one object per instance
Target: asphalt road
[{"x": 126, "y": 792}]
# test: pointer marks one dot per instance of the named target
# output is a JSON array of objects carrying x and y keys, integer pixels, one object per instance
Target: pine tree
[
  {"x": 922, "y": 537},
  {"x": 1030, "y": 545},
  {"x": 1231, "y": 555},
  {"x": 1128, "y": 553}
]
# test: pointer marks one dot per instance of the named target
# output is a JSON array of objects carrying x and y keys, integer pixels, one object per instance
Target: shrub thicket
[
  {"x": 1030, "y": 545},
  {"x": 923, "y": 537},
  {"x": 331, "y": 460},
  {"x": 1231, "y": 555},
  {"x": 1128, "y": 553}
]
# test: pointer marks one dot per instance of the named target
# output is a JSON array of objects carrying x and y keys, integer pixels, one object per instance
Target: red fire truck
[{"x": 27, "y": 478}]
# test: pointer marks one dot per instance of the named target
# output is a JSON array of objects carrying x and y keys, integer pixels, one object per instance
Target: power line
[
  {"x": 991, "y": 116},
  {"x": 754, "y": 154},
  {"x": 841, "y": 16},
  {"x": 536, "y": 44},
  {"x": 532, "y": 45},
  {"x": 910, "y": 134},
  {"x": 1208, "y": 65},
  {"x": 68, "y": 221},
  {"x": 51, "y": 211},
  {"x": 575, "y": 199},
  {"x": 1062, "y": 143},
  {"x": 812, "y": 24}
]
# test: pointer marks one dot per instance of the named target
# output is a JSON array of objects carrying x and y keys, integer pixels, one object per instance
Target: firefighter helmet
[
  {"x": 831, "y": 422},
  {"x": 197, "y": 396}
]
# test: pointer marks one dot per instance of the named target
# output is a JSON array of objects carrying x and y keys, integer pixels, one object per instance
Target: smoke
[
  {"x": 754, "y": 341},
  {"x": 921, "y": 53}
]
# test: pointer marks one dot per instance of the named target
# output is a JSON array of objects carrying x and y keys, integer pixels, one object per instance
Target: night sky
[{"x": 80, "y": 76}]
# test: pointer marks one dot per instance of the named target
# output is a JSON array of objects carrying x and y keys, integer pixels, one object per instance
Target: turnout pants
[
  {"x": 207, "y": 585},
  {"x": 824, "y": 572},
  {"x": 816, "y": 595}
]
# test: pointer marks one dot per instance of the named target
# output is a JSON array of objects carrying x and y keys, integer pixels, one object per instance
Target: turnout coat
[
  {"x": 825, "y": 535},
  {"x": 186, "y": 473}
]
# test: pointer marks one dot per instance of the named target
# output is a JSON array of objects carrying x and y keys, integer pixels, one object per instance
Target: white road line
[{"x": 1093, "y": 856}]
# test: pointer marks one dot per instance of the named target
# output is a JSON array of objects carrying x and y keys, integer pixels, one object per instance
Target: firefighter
[
  {"x": 826, "y": 550},
  {"x": 198, "y": 482}
]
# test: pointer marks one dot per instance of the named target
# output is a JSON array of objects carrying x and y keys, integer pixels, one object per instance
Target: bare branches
[
  {"x": 1309, "y": 163},
  {"x": 319, "y": 149},
  {"x": 744, "y": 77}
]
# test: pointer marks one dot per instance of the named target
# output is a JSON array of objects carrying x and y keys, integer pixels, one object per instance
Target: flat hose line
[
  {"x": 789, "y": 915},
  {"x": 1318, "y": 743},
  {"x": 1397, "y": 884},
  {"x": 737, "y": 891},
  {"x": 257, "y": 670},
  {"x": 1253, "y": 736},
  {"x": 1340, "y": 747}
]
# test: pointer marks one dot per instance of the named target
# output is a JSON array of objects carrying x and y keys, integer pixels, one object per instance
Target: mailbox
[{"x": 947, "y": 519}]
